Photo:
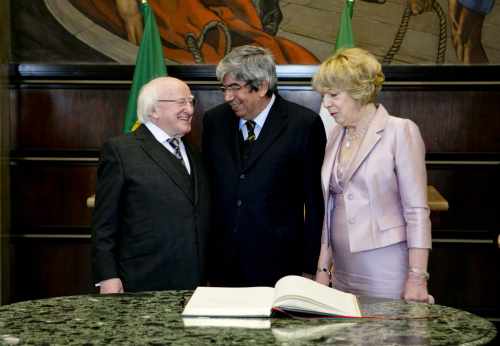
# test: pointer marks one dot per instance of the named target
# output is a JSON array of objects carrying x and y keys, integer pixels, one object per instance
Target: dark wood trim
[
  {"x": 297, "y": 73},
  {"x": 48, "y": 231},
  {"x": 21, "y": 155},
  {"x": 18, "y": 155},
  {"x": 450, "y": 236},
  {"x": 478, "y": 157}
]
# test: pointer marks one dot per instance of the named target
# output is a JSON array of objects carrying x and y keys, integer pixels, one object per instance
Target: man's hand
[{"x": 111, "y": 286}]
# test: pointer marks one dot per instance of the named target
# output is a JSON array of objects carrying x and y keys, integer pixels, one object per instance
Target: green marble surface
[{"x": 154, "y": 319}]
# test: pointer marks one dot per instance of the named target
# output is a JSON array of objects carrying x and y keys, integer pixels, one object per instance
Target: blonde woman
[{"x": 377, "y": 233}]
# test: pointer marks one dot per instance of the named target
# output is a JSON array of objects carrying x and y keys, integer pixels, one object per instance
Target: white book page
[
  {"x": 230, "y": 301},
  {"x": 227, "y": 322},
  {"x": 292, "y": 291}
]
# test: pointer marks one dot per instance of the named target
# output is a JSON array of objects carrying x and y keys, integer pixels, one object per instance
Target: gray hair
[
  {"x": 250, "y": 64},
  {"x": 148, "y": 96}
]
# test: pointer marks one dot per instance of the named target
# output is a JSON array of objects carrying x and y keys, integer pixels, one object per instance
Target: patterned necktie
[
  {"x": 174, "y": 143},
  {"x": 250, "y": 129}
]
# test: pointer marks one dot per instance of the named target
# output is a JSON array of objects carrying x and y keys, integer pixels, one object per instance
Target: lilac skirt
[{"x": 378, "y": 273}]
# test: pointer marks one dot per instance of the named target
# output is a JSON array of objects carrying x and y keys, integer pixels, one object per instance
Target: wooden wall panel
[
  {"x": 451, "y": 121},
  {"x": 472, "y": 192},
  {"x": 68, "y": 119},
  {"x": 466, "y": 276},
  {"x": 75, "y": 119},
  {"x": 49, "y": 196},
  {"x": 50, "y": 267}
]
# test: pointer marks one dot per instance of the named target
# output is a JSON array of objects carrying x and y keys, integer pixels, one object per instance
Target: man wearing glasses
[
  {"x": 264, "y": 157},
  {"x": 150, "y": 220}
]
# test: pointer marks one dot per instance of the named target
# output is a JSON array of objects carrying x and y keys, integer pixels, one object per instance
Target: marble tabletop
[{"x": 153, "y": 318}]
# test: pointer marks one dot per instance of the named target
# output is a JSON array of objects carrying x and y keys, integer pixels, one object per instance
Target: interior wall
[{"x": 4, "y": 149}]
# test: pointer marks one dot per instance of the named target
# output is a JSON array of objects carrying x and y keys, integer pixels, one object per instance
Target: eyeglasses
[
  {"x": 182, "y": 102},
  {"x": 233, "y": 87}
]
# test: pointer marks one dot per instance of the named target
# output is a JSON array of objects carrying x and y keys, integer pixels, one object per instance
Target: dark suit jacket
[
  {"x": 151, "y": 218},
  {"x": 259, "y": 230}
]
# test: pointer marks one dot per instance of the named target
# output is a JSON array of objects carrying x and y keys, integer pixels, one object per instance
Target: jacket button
[
  {"x": 239, "y": 203},
  {"x": 350, "y": 196},
  {"x": 242, "y": 176}
]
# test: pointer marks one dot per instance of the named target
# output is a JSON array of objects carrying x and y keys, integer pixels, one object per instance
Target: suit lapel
[
  {"x": 195, "y": 171},
  {"x": 373, "y": 135},
  {"x": 164, "y": 159},
  {"x": 234, "y": 140},
  {"x": 275, "y": 124}
]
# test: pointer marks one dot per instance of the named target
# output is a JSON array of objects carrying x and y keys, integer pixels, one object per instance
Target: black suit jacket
[
  {"x": 259, "y": 230},
  {"x": 151, "y": 217}
]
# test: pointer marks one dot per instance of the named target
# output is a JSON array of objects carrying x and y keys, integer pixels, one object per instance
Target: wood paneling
[
  {"x": 468, "y": 121},
  {"x": 451, "y": 121},
  {"x": 50, "y": 267},
  {"x": 460, "y": 125},
  {"x": 68, "y": 119},
  {"x": 472, "y": 192},
  {"x": 50, "y": 197},
  {"x": 5, "y": 51},
  {"x": 466, "y": 276}
]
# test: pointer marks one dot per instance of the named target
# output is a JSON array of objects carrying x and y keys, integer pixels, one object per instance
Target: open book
[{"x": 291, "y": 294}]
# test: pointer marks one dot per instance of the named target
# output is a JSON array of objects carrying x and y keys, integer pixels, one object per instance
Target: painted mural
[{"x": 296, "y": 31}]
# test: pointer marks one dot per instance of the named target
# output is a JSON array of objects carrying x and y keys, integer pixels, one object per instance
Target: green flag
[
  {"x": 148, "y": 65},
  {"x": 345, "y": 38}
]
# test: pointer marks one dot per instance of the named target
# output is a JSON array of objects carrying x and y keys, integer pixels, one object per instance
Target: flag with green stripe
[
  {"x": 345, "y": 37},
  {"x": 149, "y": 64}
]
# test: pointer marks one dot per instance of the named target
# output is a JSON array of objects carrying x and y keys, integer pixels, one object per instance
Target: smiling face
[
  {"x": 245, "y": 102},
  {"x": 173, "y": 117},
  {"x": 342, "y": 107}
]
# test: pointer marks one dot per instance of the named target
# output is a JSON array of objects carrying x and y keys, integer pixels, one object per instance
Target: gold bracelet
[
  {"x": 324, "y": 270},
  {"x": 422, "y": 273}
]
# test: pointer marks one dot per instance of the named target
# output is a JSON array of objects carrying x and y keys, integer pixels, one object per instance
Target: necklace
[
  {"x": 351, "y": 136},
  {"x": 355, "y": 133}
]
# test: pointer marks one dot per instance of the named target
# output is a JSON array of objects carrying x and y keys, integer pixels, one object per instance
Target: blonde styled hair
[{"x": 353, "y": 70}]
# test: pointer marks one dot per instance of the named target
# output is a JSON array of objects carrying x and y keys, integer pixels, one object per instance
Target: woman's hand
[
  {"x": 416, "y": 289},
  {"x": 416, "y": 281}
]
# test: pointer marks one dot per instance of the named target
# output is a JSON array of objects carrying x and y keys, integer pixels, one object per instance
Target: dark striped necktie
[
  {"x": 174, "y": 143},
  {"x": 250, "y": 124}
]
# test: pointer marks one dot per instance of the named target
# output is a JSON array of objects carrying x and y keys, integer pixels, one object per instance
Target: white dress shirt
[
  {"x": 260, "y": 119},
  {"x": 162, "y": 137}
]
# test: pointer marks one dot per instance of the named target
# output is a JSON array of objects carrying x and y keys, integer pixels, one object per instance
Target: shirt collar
[{"x": 160, "y": 135}]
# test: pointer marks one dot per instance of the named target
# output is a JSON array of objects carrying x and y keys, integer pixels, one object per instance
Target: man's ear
[
  {"x": 263, "y": 88},
  {"x": 154, "y": 114}
]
